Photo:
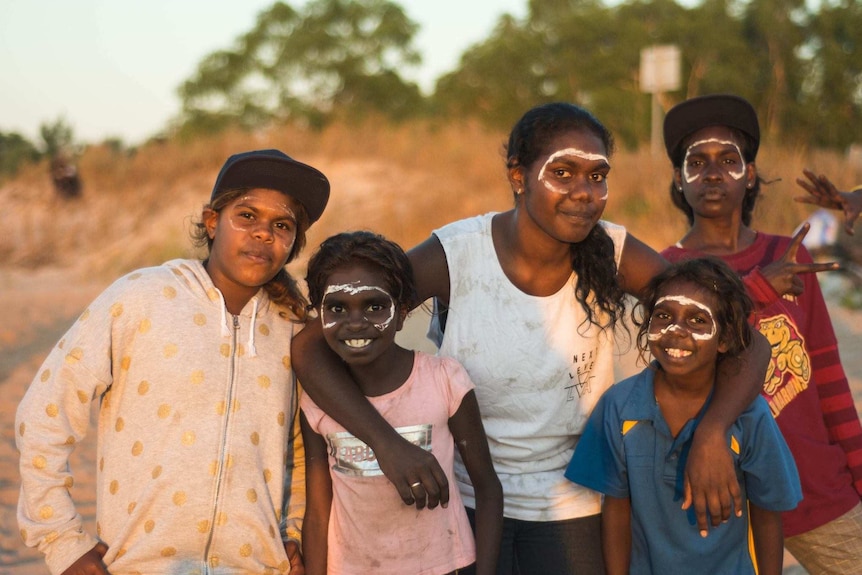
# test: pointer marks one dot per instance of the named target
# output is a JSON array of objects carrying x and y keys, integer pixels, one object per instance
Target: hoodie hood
[{"x": 193, "y": 276}]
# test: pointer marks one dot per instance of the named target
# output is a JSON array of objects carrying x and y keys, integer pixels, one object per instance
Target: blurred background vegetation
[
  {"x": 798, "y": 61},
  {"x": 326, "y": 84}
]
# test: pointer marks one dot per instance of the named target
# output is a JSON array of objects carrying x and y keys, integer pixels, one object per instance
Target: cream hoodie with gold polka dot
[{"x": 200, "y": 463}]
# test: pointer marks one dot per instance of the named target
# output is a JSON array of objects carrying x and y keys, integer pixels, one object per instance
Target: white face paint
[
  {"x": 689, "y": 178},
  {"x": 283, "y": 237},
  {"x": 380, "y": 323},
  {"x": 562, "y": 154},
  {"x": 684, "y": 300}
]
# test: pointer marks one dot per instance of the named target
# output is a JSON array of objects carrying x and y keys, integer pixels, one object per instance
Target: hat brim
[
  {"x": 300, "y": 181},
  {"x": 695, "y": 114}
]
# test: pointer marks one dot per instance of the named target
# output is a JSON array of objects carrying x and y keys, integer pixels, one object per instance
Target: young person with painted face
[
  {"x": 712, "y": 142},
  {"x": 201, "y": 466},
  {"x": 639, "y": 434},
  {"x": 360, "y": 286},
  {"x": 533, "y": 295}
]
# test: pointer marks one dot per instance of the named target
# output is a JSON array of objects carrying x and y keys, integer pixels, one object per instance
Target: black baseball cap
[
  {"x": 695, "y": 114},
  {"x": 275, "y": 170}
]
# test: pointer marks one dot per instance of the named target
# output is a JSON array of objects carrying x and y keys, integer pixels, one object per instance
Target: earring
[{"x": 519, "y": 191}]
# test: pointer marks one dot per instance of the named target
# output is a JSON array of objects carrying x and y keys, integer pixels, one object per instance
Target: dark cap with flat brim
[
  {"x": 695, "y": 114},
  {"x": 275, "y": 170}
]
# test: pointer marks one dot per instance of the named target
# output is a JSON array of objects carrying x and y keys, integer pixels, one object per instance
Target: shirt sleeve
[
  {"x": 599, "y": 461},
  {"x": 833, "y": 388},
  {"x": 50, "y": 421},
  {"x": 458, "y": 383},
  {"x": 759, "y": 289}
]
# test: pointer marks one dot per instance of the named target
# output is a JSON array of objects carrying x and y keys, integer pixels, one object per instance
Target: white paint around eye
[
  {"x": 735, "y": 175},
  {"x": 568, "y": 152},
  {"x": 685, "y": 300},
  {"x": 238, "y": 228},
  {"x": 353, "y": 289}
]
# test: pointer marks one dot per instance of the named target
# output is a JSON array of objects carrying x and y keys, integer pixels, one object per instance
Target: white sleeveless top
[{"x": 538, "y": 366}]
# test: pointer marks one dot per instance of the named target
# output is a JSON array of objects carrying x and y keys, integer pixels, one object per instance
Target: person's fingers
[
  {"x": 814, "y": 268},
  {"x": 793, "y": 246},
  {"x": 807, "y": 187},
  {"x": 806, "y": 200},
  {"x": 725, "y": 506},
  {"x": 686, "y": 496},
  {"x": 441, "y": 483},
  {"x": 405, "y": 493},
  {"x": 101, "y": 548},
  {"x": 736, "y": 495},
  {"x": 419, "y": 494},
  {"x": 700, "y": 513}
]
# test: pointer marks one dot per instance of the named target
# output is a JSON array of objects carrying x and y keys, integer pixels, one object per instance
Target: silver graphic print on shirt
[{"x": 354, "y": 457}]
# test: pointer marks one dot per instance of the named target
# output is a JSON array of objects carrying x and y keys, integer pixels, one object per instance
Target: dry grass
[{"x": 400, "y": 180}]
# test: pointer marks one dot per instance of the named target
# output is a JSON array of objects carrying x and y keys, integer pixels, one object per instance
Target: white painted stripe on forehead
[
  {"x": 569, "y": 152},
  {"x": 685, "y": 300},
  {"x": 353, "y": 289},
  {"x": 734, "y": 175}
]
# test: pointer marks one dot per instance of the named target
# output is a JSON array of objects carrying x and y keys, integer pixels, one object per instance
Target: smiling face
[
  {"x": 252, "y": 238},
  {"x": 714, "y": 176},
  {"x": 359, "y": 316},
  {"x": 683, "y": 335},
  {"x": 565, "y": 189}
]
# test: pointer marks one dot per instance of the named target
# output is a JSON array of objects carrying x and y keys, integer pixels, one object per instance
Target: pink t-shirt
[{"x": 370, "y": 529}]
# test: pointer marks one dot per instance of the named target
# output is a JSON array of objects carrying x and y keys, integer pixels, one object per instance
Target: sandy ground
[{"x": 39, "y": 306}]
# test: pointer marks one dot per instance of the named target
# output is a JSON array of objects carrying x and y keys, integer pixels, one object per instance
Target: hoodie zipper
[{"x": 222, "y": 461}]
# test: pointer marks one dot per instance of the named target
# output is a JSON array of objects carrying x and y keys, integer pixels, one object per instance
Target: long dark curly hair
[
  {"x": 282, "y": 289},
  {"x": 592, "y": 258}
]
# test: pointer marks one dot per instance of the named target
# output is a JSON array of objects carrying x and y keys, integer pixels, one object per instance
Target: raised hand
[
  {"x": 822, "y": 192},
  {"x": 783, "y": 273}
]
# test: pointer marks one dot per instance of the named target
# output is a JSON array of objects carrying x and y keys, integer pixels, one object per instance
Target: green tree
[
  {"x": 15, "y": 150},
  {"x": 57, "y": 137},
  {"x": 831, "y": 94},
  {"x": 340, "y": 56}
]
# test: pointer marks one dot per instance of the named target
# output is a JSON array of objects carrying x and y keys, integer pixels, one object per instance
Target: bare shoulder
[
  {"x": 639, "y": 264},
  {"x": 430, "y": 269}
]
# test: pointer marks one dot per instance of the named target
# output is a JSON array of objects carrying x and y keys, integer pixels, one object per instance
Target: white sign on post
[{"x": 659, "y": 70}]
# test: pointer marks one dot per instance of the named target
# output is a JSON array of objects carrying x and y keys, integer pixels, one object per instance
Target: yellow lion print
[{"x": 788, "y": 352}]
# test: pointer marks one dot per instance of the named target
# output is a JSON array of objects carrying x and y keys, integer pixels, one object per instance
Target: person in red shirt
[{"x": 712, "y": 142}]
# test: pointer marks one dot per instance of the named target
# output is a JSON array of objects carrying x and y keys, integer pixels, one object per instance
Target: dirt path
[{"x": 40, "y": 306}]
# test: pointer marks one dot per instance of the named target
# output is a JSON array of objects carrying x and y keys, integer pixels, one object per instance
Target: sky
[{"x": 111, "y": 68}]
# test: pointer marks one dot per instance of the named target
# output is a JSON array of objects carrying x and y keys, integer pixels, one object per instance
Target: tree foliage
[
  {"x": 802, "y": 68},
  {"x": 15, "y": 150},
  {"x": 343, "y": 55},
  {"x": 799, "y": 63}
]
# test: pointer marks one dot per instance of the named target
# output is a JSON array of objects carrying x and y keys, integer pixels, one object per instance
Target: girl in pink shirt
[{"x": 361, "y": 287}]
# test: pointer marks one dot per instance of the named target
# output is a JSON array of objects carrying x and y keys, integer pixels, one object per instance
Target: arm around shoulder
[
  {"x": 326, "y": 380},
  {"x": 639, "y": 263}
]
